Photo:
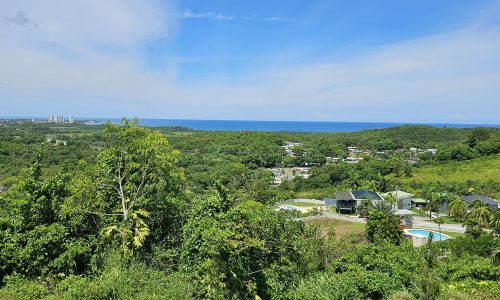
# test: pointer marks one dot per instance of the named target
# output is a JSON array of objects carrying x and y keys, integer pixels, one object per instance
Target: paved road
[
  {"x": 423, "y": 222},
  {"x": 418, "y": 222}
]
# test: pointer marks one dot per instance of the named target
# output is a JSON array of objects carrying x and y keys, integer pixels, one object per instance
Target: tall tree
[
  {"x": 456, "y": 208},
  {"x": 482, "y": 214},
  {"x": 135, "y": 177},
  {"x": 383, "y": 227},
  {"x": 477, "y": 135},
  {"x": 392, "y": 200},
  {"x": 495, "y": 222},
  {"x": 439, "y": 221},
  {"x": 237, "y": 249},
  {"x": 433, "y": 204}
]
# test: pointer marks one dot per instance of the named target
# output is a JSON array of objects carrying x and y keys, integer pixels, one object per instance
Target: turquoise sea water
[
  {"x": 246, "y": 125},
  {"x": 295, "y": 126}
]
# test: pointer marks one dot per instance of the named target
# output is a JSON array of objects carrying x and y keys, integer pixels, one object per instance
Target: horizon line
[{"x": 250, "y": 120}]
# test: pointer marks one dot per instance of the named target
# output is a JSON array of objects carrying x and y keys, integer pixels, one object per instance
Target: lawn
[
  {"x": 449, "y": 220},
  {"x": 419, "y": 213},
  {"x": 450, "y": 233},
  {"x": 341, "y": 227},
  {"x": 317, "y": 193}
]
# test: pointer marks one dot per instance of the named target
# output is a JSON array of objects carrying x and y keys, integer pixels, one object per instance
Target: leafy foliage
[
  {"x": 110, "y": 215},
  {"x": 383, "y": 227},
  {"x": 242, "y": 250}
]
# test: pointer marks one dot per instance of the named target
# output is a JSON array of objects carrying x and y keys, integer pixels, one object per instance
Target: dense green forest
[{"x": 126, "y": 212}]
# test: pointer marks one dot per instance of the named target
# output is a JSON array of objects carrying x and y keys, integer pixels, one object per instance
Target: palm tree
[
  {"x": 433, "y": 204},
  {"x": 382, "y": 206},
  {"x": 371, "y": 185},
  {"x": 444, "y": 198},
  {"x": 354, "y": 181},
  {"x": 476, "y": 204},
  {"x": 457, "y": 208},
  {"x": 392, "y": 200},
  {"x": 439, "y": 221},
  {"x": 364, "y": 208},
  {"x": 495, "y": 222},
  {"x": 382, "y": 183},
  {"x": 482, "y": 214}
]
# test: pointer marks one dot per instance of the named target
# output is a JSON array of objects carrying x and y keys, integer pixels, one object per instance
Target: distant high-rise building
[
  {"x": 71, "y": 120},
  {"x": 56, "y": 119}
]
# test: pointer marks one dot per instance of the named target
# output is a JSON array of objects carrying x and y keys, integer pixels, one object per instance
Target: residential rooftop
[
  {"x": 398, "y": 194},
  {"x": 484, "y": 199},
  {"x": 366, "y": 194}
]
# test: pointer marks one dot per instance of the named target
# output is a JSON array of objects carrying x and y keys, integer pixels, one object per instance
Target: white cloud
[
  {"x": 62, "y": 68},
  {"x": 188, "y": 14},
  {"x": 279, "y": 19}
]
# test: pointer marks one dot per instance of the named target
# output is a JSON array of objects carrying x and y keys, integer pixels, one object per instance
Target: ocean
[{"x": 292, "y": 126}]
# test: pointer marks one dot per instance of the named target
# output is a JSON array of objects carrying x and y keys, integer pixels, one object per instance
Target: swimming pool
[{"x": 426, "y": 234}]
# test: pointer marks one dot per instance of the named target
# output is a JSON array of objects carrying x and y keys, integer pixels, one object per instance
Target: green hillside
[{"x": 483, "y": 170}]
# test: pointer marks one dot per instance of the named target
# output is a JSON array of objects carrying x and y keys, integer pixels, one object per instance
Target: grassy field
[
  {"x": 317, "y": 193},
  {"x": 481, "y": 169},
  {"x": 341, "y": 227},
  {"x": 485, "y": 170}
]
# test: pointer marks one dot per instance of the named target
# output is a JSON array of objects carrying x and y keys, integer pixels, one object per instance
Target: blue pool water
[{"x": 426, "y": 233}]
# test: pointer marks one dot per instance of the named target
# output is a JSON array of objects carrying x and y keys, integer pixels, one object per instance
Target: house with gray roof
[
  {"x": 419, "y": 202},
  {"x": 492, "y": 203},
  {"x": 348, "y": 201}
]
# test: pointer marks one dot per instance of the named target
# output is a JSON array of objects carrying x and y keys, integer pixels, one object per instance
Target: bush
[
  {"x": 131, "y": 280},
  {"x": 383, "y": 227}
]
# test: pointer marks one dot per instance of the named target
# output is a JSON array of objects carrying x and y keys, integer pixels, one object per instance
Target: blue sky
[{"x": 397, "y": 61}]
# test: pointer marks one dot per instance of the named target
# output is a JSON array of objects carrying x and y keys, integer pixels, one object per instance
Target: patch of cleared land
[{"x": 341, "y": 227}]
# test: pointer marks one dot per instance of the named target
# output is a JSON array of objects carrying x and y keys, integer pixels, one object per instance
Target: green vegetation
[
  {"x": 125, "y": 212},
  {"x": 481, "y": 170},
  {"x": 341, "y": 228}
]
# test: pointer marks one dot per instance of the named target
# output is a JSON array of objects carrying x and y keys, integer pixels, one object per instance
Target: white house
[{"x": 404, "y": 198}]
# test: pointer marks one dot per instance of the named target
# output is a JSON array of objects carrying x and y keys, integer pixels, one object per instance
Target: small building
[
  {"x": 332, "y": 159},
  {"x": 418, "y": 202},
  {"x": 404, "y": 198},
  {"x": 492, "y": 203},
  {"x": 432, "y": 151},
  {"x": 347, "y": 202},
  {"x": 352, "y": 160}
]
